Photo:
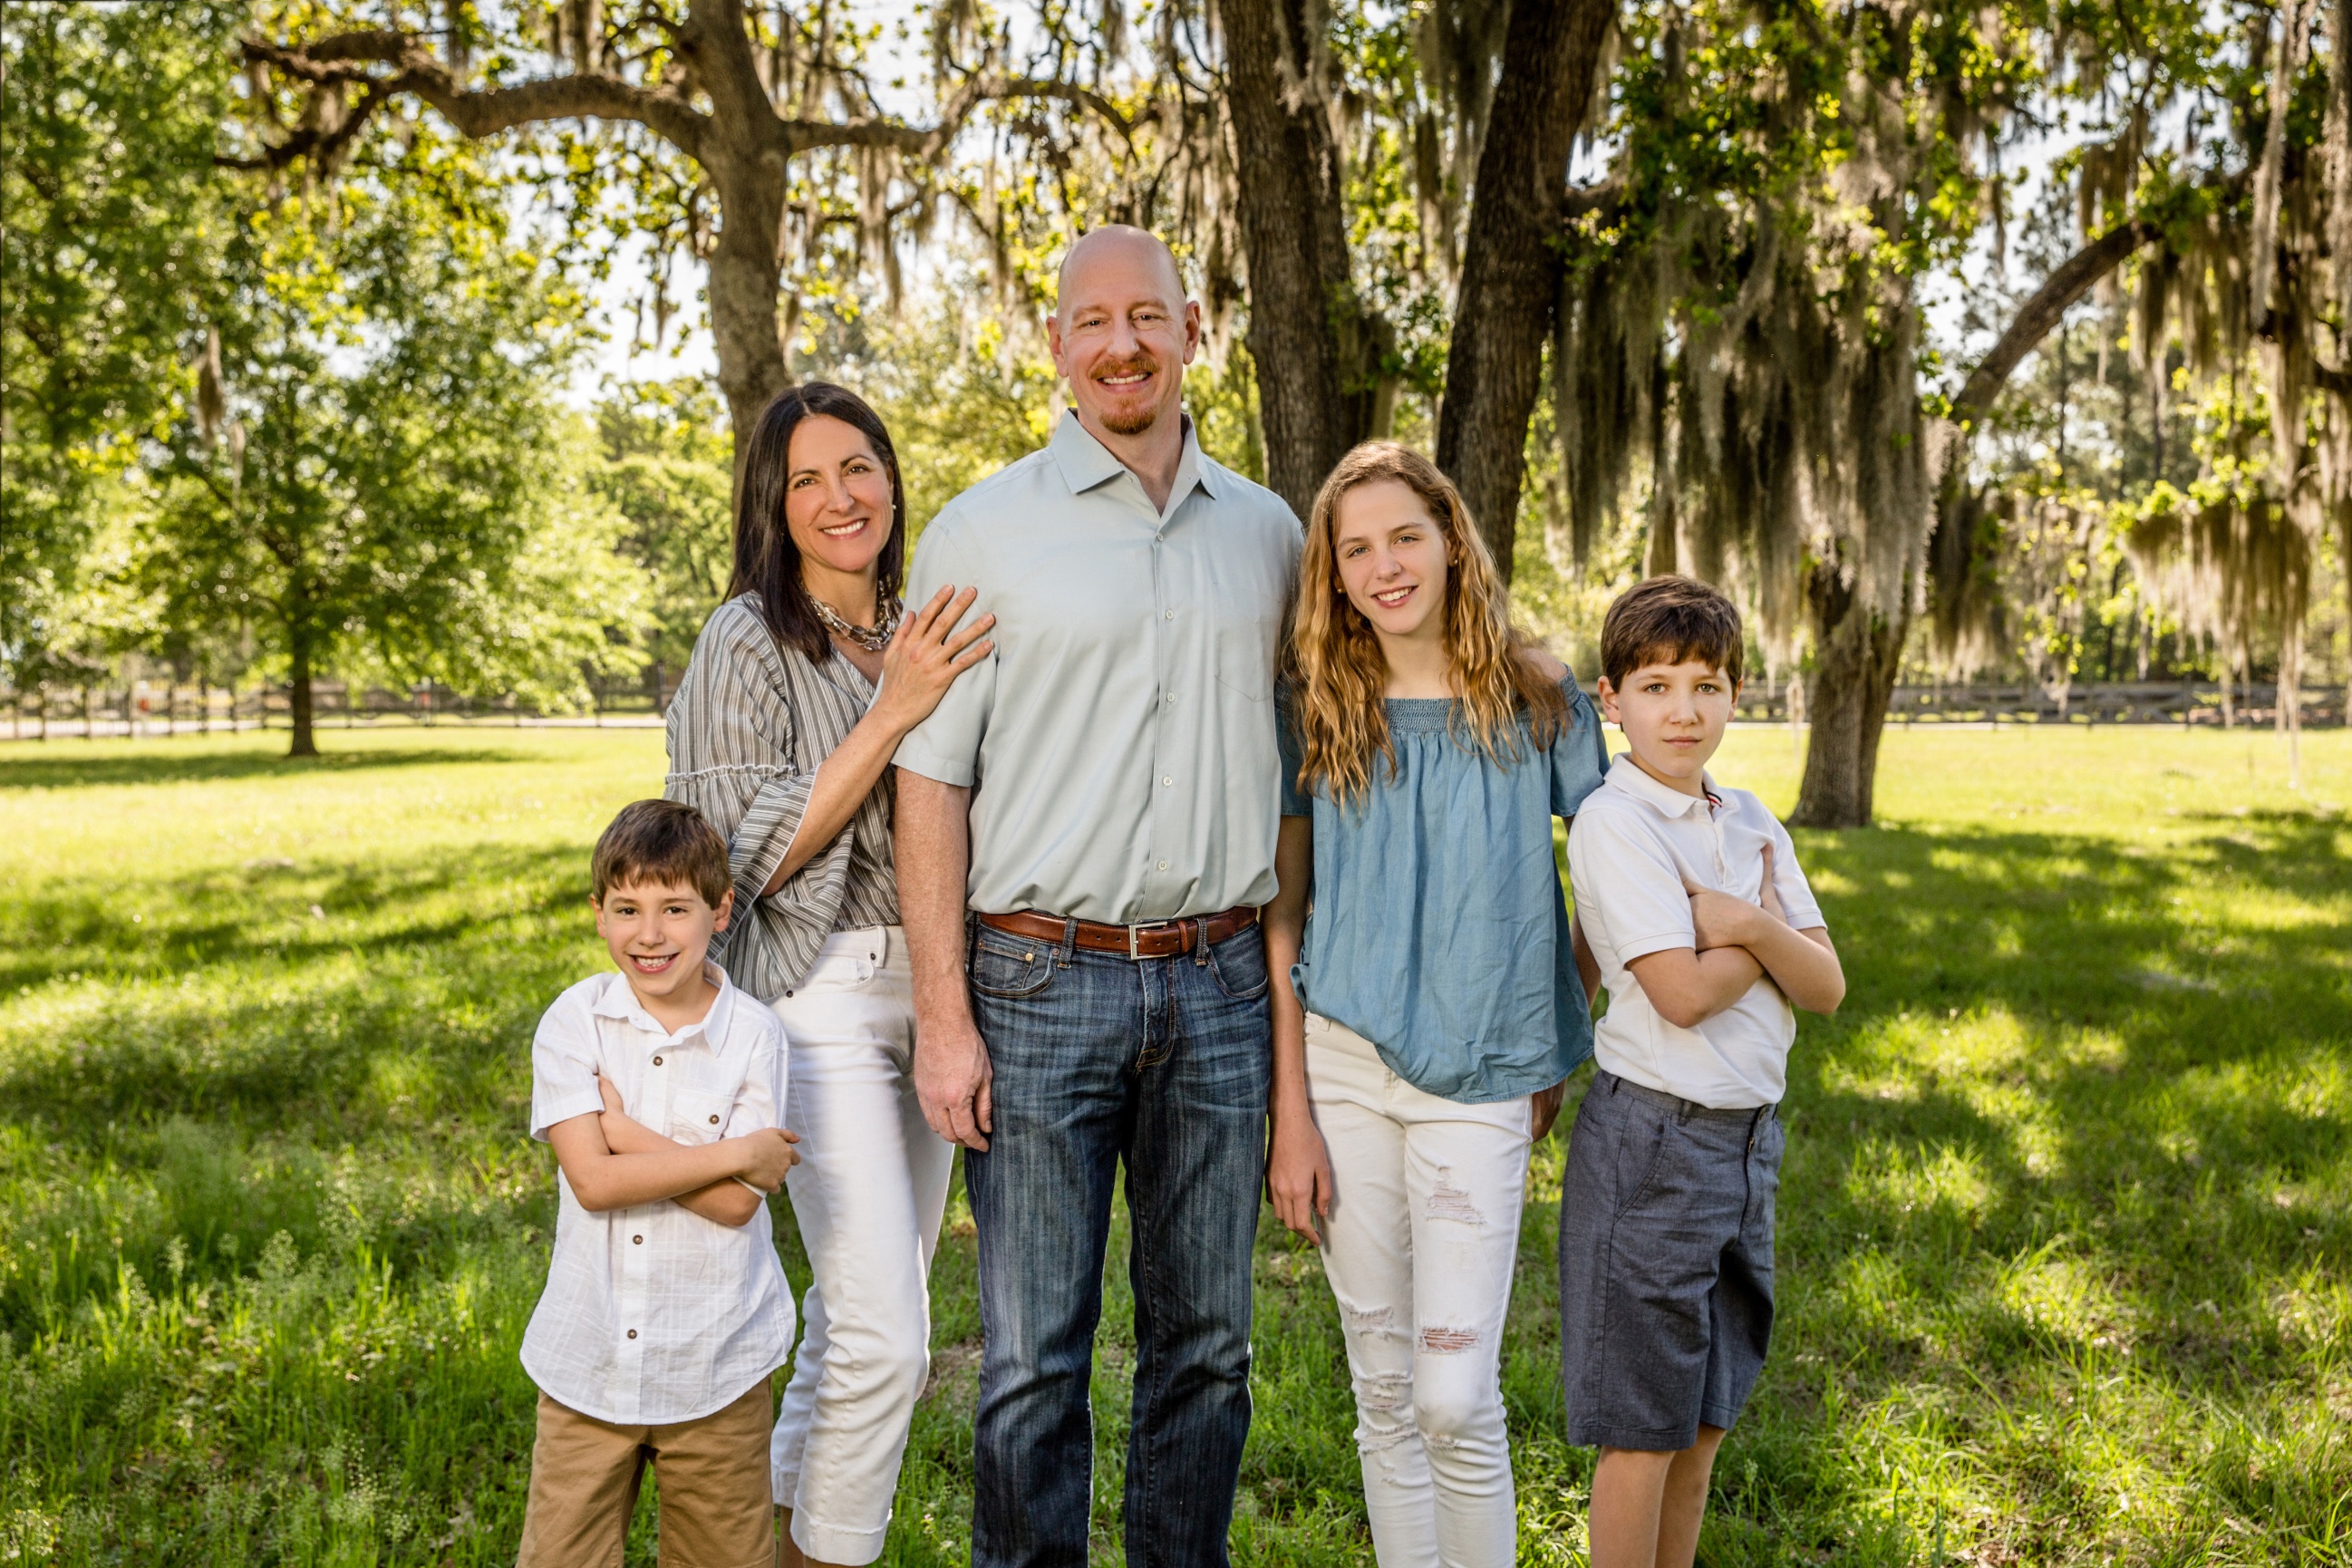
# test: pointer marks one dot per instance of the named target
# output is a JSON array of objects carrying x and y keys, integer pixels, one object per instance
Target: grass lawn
[{"x": 2066, "y": 1221}]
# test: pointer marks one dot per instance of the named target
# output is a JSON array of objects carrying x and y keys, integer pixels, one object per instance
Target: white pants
[
  {"x": 868, "y": 1193},
  {"x": 1423, "y": 1231}
]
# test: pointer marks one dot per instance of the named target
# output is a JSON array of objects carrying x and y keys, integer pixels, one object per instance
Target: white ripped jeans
[
  {"x": 1419, "y": 1248},
  {"x": 868, "y": 1194}
]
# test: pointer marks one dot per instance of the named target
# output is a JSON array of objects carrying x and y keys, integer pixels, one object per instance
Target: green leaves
[{"x": 114, "y": 236}]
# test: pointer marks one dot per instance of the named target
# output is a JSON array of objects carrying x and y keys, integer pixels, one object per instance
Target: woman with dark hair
[{"x": 800, "y": 687}]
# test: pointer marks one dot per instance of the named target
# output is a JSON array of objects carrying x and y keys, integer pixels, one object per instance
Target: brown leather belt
[{"x": 1159, "y": 939}]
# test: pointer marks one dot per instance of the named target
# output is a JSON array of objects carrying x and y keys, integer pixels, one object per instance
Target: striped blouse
[{"x": 750, "y": 724}]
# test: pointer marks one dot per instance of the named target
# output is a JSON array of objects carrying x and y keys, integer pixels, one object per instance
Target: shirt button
[
  {"x": 714, "y": 1122},
  {"x": 1163, "y": 865},
  {"x": 1170, "y": 616},
  {"x": 637, "y": 1240},
  {"x": 1171, "y": 697},
  {"x": 658, "y": 1061},
  {"x": 633, "y": 1333},
  {"x": 1168, "y": 781}
]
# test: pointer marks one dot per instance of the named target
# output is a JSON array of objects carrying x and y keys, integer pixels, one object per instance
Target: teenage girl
[{"x": 1436, "y": 1005}]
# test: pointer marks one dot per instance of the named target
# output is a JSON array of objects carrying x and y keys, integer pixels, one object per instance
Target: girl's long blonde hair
[{"x": 1336, "y": 668}]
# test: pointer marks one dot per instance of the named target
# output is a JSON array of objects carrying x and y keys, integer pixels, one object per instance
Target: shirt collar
[
  {"x": 619, "y": 1001},
  {"x": 1085, "y": 462},
  {"x": 1626, "y": 775}
]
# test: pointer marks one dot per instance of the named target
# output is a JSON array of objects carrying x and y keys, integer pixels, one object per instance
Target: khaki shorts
[{"x": 716, "y": 1512}]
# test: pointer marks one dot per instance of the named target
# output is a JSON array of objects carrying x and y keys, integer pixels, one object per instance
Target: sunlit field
[{"x": 2066, "y": 1260}]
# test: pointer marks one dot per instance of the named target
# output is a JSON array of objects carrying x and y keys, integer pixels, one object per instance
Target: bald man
[{"x": 1085, "y": 830}]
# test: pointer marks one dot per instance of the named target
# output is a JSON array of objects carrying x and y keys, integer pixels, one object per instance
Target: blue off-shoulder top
[{"x": 1436, "y": 928}]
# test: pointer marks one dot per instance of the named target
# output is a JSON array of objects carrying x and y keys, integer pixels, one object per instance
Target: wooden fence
[
  {"x": 143, "y": 709},
  {"x": 2201, "y": 702}
]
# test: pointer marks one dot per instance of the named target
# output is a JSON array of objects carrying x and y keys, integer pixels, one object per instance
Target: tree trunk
[
  {"x": 1856, "y": 654},
  {"x": 751, "y": 369},
  {"x": 297, "y": 690},
  {"x": 744, "y": 274},
  {"x": 1511, "y": 260},
  {"x": 1317, "y": 350}
]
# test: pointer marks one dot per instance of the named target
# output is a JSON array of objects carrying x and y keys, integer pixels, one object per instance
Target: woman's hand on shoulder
[
  {"x": 927, "y": 653},
  {"x": 1541, "y": 661}
]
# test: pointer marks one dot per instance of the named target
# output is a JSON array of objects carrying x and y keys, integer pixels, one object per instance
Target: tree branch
[
  {"x": 1602, "y": 196},
  {"x": 476, "y": 112},
  {"x": 924, "y": 141},
  {"x": 2034, "y": 319},
  {"x": 1068, "y": 93},
  {"x": 319, "y": 143}
]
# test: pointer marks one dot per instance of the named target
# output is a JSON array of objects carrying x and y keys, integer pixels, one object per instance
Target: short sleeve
[
  {"x": 1802, "y": 911},
  {"x": 946, "y": 746},
  {"x": 1295, "y": 801},
  {"x": 1580, "y": 757},
  {"x": 563, "y": 1064},
  {"x": 1628, "y": 891},
  {"x": 759, "y": 1103}
]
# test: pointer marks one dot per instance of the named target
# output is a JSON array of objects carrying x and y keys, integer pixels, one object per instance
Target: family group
[{"x": 1155, "y": 834}]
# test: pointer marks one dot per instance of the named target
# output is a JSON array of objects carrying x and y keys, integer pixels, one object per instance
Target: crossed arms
[
  {"x": 1736, "y": 944},
  {"x": 615, "y": 1162}
]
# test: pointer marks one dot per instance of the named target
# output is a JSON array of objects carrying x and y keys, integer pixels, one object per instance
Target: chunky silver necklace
[{"x": 873, "y": 639}]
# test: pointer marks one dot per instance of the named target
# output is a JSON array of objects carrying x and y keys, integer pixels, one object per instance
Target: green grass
[{"x": 2067, "y": 1260}]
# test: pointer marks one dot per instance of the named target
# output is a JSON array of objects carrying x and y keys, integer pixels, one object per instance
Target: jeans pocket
[
  {"x": 1010, "y": 966},
  {"x": 1641, "y": 1144},
  {"x": 838, "y": 972},
  {"x": 1238, "y": 964},
  {"x": 1247, "y": 647}
]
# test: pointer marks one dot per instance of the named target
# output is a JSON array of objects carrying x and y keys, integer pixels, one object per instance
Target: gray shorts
[{"x": 1665, "y": 1264}]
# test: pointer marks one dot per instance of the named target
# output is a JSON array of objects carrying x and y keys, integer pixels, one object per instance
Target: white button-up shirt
[
  {"x": 655, "y": 1314},
  {"x": 1631, "y": 849},
  {"x": 1120, "y": 740}
]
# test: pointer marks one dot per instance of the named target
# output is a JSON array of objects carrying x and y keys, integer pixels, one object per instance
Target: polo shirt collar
[
  {"x": 1085, "y": 462},
  {"x": 1626, "y": 775},
  {"x": 619, "y": 1001}
]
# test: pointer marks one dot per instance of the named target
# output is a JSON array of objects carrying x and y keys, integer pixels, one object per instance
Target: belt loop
[{"x": 1069, "y": 940}]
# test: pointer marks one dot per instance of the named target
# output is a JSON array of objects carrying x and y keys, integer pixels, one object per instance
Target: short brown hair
[
  {"x": 1667, "y": 620},
  {"x": 661, "y": 841}
]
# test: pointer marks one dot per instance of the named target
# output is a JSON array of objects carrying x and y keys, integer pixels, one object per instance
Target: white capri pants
[
  {"x": 868, "y": 1193},
  {"x": 1419, "y": 1248}
]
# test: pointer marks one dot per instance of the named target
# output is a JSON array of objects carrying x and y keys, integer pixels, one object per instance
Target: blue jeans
[{"x": 1098, "y": 1058}]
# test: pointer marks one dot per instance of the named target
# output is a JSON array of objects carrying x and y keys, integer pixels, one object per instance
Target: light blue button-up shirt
[
  {"x": 1120, "y": 740},
  {"x": 1438, "y": 931}
]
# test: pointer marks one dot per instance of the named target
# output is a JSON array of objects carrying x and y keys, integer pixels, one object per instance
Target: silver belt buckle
[{"x": 1135, "y": 931}]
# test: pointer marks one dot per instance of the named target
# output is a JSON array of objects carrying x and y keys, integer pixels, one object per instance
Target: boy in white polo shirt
[
  {"x": 666, "y": 1311},
  {"x": 1690, "y": 897}
]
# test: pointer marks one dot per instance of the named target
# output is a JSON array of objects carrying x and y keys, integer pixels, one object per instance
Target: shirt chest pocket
[
  {"x": 1245, "y": 652},
  {"x": 1246, "y": 594},
  {"x": 699, "y": 1116}
]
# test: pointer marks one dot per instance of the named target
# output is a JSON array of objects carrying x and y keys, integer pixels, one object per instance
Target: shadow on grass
[
  {"x": 2077, "y": 1128},
  {"x": 162, "y": 765},
  {"x": 265, "y": 909},
  {"x": 280, "y": 1019}
]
